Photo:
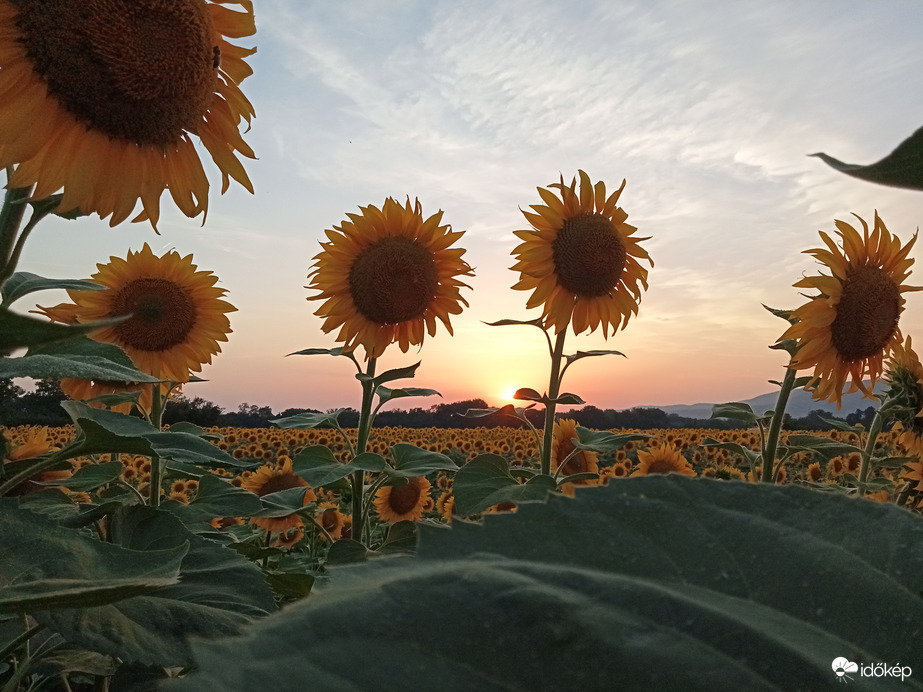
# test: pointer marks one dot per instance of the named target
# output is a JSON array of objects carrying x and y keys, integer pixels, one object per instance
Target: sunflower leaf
[
  {"x": 566, "y": 399},
  {"x": 23, "y": 283},
  {"x": 537, "y": 322},
  {"x": 89, "y": 477},
  {"x": 105, "y": 432},
  {"x": 843, "y": 425},
  {"x": 389, "y": 375},
  {"x": 319, "y": 467},
  {"x": 19, "y": 331},
  {"x": 746, "y": 453},
  {"x": 385, "y": 394},
  {"x": 678, "y": 580},
  {"x": 603, "y": 441},
  {"x": 77, "y": 357},
  {"x": 892, "y": 462},
  {"x": 306, "y": 421},
  {"x": 576, "y": 477},
  {"x": 528, "y": 394},
  {"x": 588, "y": 354},
  {"x": 401, "y": 539},
  {"x": 903, "y": 167},
  {"x": 410, "y": 461},
  {"x": 347, "y": 551},
  {"x": 822, "y": 446},
  {"x": 486, "y": 481},
  {"x": 338, "y": 351},
  {"x": 217, "y": 498},
  {"x": 283, "y": 503},
  {"x": 736, "y": 411}
]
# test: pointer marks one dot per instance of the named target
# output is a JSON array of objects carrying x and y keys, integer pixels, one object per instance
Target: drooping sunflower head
[
  {"x": 904, "y": 375},
  {"x": 272, "y": 478},
  {"x": 405, "y": 502},
  {"x": 662, "y": 458},
  {"x": 98, "y": 99},
  {"x": 848, "y": 330},
  {"x": 387, "y": 275},
  {"x": 562, "y": 448},
  {"x": 177, "y": 313},
  {"x": 580, "y": 258}
]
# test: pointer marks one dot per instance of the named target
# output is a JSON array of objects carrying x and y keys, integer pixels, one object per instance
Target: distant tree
[
  {"x": 863, "y": 417},
  {"x": 43, "y": 406},
  {"x": 197, "y": 410},
  {"x": 10, "y": 392},
  {"x": 248, "y": 416}
]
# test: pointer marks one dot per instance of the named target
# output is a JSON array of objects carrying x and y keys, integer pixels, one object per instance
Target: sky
[{"x": 707, "y": 109}]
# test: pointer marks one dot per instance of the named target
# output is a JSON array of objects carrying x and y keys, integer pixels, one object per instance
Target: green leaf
[
  {"x": 748, "y": 454},
  {"x": 537, "y": 322},
  {"x": 306, "y": 421},
  {"x": 576, "y": 477},
  {"x": 109, "y": 432},
  {"x": 567, "y": 399},
  {"x": 603, "y": 441},
  {"x": 736, "y": 411},
  {"x": 346, "y": 551},
  {"x": 291, "y": 584},
  {"x": 18, "y": 331},
  {"x": 24, "y": 283},
  {"x": 892, "y": 462},
  {"x": 485, "y": 481},
  {"x": 589, "y": 354},
  {"x": 389, "y": 375},
  {"x": 219, "y": 592},
  {"x": 385, "y": 394},
  {"x": 843, "y": 425},
  {"x": 338, "y": 351},
  {"x": 400, "y": 540},
  {"x": 411, "y": 461},
  {"x": 217, "y": 498},
  {"x": 78, "y": 357},
  {"x": 903, "y": 167},
  {"x": 283, "y": 503},
  {"x": 656, "y": 583},
  {"x": 822, "y": 446},
  {"x": 43, "y": 561},
  {"x": 319, "y": 467},
  {"x": 528, "y": 394},
  {"x": 89, "y": 477}
]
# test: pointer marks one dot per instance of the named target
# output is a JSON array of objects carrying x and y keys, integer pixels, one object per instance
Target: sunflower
[
  {"x": 35, "y": 443},
  {"x": 580, "y": 258},
  {"x": 405, "y": 502},
  {"x": 386, "y": 275},
  {"x": 177, "y": 319},
  {"x": 100, "y": 99},
  {"x": 331, "y": 518},
  {"x": 271, "y": 478},
  {"x": 562, "y": 446},
  {"x": 904, "y": 375},
  {"x": 848, "y": 330},
  {"x": 662, "y": 458}
]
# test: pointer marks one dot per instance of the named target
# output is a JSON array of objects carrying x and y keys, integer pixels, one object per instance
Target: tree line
[{"x": 43, "y": 407}]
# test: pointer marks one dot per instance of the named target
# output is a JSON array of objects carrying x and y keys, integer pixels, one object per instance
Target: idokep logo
[{"x": 841, "y": 666}]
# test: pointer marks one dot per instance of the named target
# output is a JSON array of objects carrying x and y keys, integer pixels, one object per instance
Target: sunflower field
[{"x": 141, "y": 556}]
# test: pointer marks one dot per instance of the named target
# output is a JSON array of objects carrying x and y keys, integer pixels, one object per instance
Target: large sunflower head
[
  {"x": 177, "y": 315},
  {"x": 580, "y": 258},
  {"x": 99, "y": 99},
  {"x": 660, "y": 459},
  {"x": 848, "y": 330},
  {"x": 386, "y": 276}
]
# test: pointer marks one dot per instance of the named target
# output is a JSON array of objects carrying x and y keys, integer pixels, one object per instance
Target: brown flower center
[
  {"x": 663, "y": 465},
  {"x": 280, "y": 481},
  {"x": 393, "y": 280},
  {"x": 163, "y": 314},
  {"x": 589, "y": 255},
  {"x": 403, "y": 498},
  {"x": 141, "y": 70},
  {"x": 867, "y": 314}
]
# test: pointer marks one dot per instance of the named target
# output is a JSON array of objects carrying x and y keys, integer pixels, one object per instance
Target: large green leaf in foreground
[{"x": 658, "y": 583}]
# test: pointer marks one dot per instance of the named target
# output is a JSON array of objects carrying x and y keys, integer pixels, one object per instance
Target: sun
[{"x": 506, "y": 394}]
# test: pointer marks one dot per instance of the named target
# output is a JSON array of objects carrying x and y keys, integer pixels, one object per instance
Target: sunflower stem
[
  {"x": 16, "y": 252},
  {"x": 775, "y": 427},
  {"x": 874, "y": 430},
  {"x": 554, "y": 387},
  {"x": 156, "y": 462},
  {"x": 362, "y": 438},
  {"x": 11, "y": 214}
]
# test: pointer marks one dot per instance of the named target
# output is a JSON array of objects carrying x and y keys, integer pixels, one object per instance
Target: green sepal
[
  {"x": 790, "y": 346},
  {"x": 784, "y": 314}
]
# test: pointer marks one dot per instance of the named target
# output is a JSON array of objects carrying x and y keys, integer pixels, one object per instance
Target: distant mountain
[{"x": 800, "y": 404}]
